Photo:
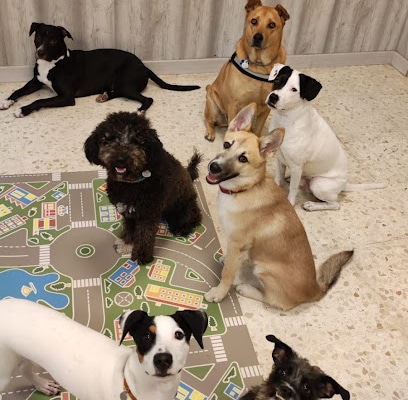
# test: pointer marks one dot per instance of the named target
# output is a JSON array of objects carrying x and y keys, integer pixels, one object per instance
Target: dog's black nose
[
  {"x": 214, "y": 167},
  {"x": 162, "y": 361},
  {"x": 257, "y": 40},
  {"x": 272, "y": 99}
]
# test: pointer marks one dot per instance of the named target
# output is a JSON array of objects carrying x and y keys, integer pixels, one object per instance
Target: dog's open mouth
[
  {"x": 214, "y": 180},
  {"x": 120, "y": 170}
]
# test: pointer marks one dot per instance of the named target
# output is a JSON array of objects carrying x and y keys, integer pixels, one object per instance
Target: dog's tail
[
  {"x": 193, "y": 164},
  {"x": 329, "y": 271},
  {"x": 360, "y": 187},
  {"x": 168, "y": 86}
]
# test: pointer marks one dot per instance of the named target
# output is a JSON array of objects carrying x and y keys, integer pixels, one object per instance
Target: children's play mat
[{"x": 57, "y": 233}]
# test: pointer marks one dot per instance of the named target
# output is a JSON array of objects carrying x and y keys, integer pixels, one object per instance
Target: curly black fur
[
  {"x": 144, "y": 181},
  {"x": 293, "y": 377}
]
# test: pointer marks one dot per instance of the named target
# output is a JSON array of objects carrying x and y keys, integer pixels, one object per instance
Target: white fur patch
[
  {"x": 6, "y": 104},
  {"x": 275, "y": 71},
  {"x": 18, "y": 113},
  {"x": 44, "y": 67}
]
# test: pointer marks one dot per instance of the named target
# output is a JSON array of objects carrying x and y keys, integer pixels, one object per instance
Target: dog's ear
[
  {"x": 243, "y": 120},
  {"x": 309, "y": 87},
  {"x": 275, "y": 71},
  {"x": 91, "y": 147},
  {"x": 192, "y": 322},
  {"x": 328, "y": 387},
  {"x": 65, "y": 32},
  {"x": 133, "y": 320},
  {"x": 282, "y": 12},
  {"x": 271, "y": 142},
  {"x": 34, "y": 27},
  {"x": 252, "y": 4},
  {"x": 282, "y": 352}
]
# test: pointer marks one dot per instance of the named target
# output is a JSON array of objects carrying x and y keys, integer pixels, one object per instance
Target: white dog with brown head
[{"x": 88, "y": 364}]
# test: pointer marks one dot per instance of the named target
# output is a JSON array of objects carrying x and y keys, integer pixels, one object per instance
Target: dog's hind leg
[
  {"x": 46, "y": 386},
  {"x": 9, "y": 361},
  {"x": 247, "y": 290},
  {"x": 326, "y": 190},
  {"x": 184, "y": 217}
]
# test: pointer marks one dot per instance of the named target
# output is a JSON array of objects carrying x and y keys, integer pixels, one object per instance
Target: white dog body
[
  {"x": 310, "y": 148},
  {"x": 84, "y": 362}
]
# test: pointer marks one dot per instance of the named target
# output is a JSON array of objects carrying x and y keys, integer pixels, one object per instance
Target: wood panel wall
[{"x": 196, "y": 29}]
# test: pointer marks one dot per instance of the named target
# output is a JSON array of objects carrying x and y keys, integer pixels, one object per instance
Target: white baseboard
[{"x": 213, "y": 65}]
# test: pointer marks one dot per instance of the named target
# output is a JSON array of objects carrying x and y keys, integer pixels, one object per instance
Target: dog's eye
[
  {"x": 227, "y": 145},
  {"x": 254, "y": 21},
  {"x": 294, "y": 89},
  {"x": 242, "y": 159},
  {"x": 283, "y": 372},
  {"x": 306, "y": 389},
  {"x": 272, "y": 25},
  {"x": 179, "y": 335},
  {"x": 147, "y": 337}
]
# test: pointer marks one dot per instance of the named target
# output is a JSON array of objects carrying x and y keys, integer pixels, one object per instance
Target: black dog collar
[{"x": 242, "y": 66}]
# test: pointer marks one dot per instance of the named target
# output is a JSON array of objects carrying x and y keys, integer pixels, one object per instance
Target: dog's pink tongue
[
  {"x": 211, "y": 179},
  {"x": 120, "y": 170}
]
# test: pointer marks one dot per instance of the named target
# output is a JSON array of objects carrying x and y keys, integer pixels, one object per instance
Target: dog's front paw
[
  {"x": 18, "y": 113},
  {"x": 142, "y": 258},
  {"x": 215, "y": 294},
  {"x": 46, "y": 386},
  {"x": 210, "y": 136},
  {"x": 6, "y": 104},
  {"x": 122, "y": 248}
]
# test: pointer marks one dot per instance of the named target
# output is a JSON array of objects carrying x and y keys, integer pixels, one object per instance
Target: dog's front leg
[
  {"x": 46, "y": 386},
  {"x": 57, "y": 101},
  {"x": 30, "y": 87},
  {"x": 143, "y": 242},
  {"x": 295, "y": 178},
  {"x": 232, "y": 263},
  {"x": 280, "y": 172}
]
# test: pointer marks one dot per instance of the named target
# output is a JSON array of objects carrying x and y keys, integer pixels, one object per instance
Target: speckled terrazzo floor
[{"x": 358, "y": 333}]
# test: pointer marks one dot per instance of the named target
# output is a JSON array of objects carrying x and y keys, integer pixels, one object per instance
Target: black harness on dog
[{"x": 242, "y": 66}]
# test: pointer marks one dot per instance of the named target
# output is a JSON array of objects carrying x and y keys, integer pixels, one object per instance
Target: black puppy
[
  {"x": 75, "y": 73},
  {"x": 145, "y": 182},
  {"x": 293, "y": 378}
]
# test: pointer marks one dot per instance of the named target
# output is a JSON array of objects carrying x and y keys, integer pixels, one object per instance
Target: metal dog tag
[{"x": 124, "y": 395}]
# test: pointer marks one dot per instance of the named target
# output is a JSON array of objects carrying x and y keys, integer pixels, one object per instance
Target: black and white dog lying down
[
  {"x": 109, "y": 73},
  {"x": 88, "y": 364}
]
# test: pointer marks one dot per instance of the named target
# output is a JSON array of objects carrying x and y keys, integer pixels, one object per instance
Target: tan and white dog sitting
[
  {"x": 311, "y": 150},
  {"x": 268, "y": 256},
  {"x": 88, "y": 364},
  {"x": 244, "y": 78}
]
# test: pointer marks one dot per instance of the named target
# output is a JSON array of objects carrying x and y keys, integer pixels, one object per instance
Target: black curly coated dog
[
  {"x": 145, "y": 182},
  {"x": 294, "y": 378}
]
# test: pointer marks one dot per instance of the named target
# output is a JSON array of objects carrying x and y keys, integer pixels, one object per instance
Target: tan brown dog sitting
[{"x": 244, "y": 79}]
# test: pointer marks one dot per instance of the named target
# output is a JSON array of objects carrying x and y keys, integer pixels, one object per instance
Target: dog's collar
[
  {"x": 145, "y": 174},
  {"x": 227, "y": 191},
  {"x": 127, "y": 391},
  {"x": 242, "y": 66}
]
